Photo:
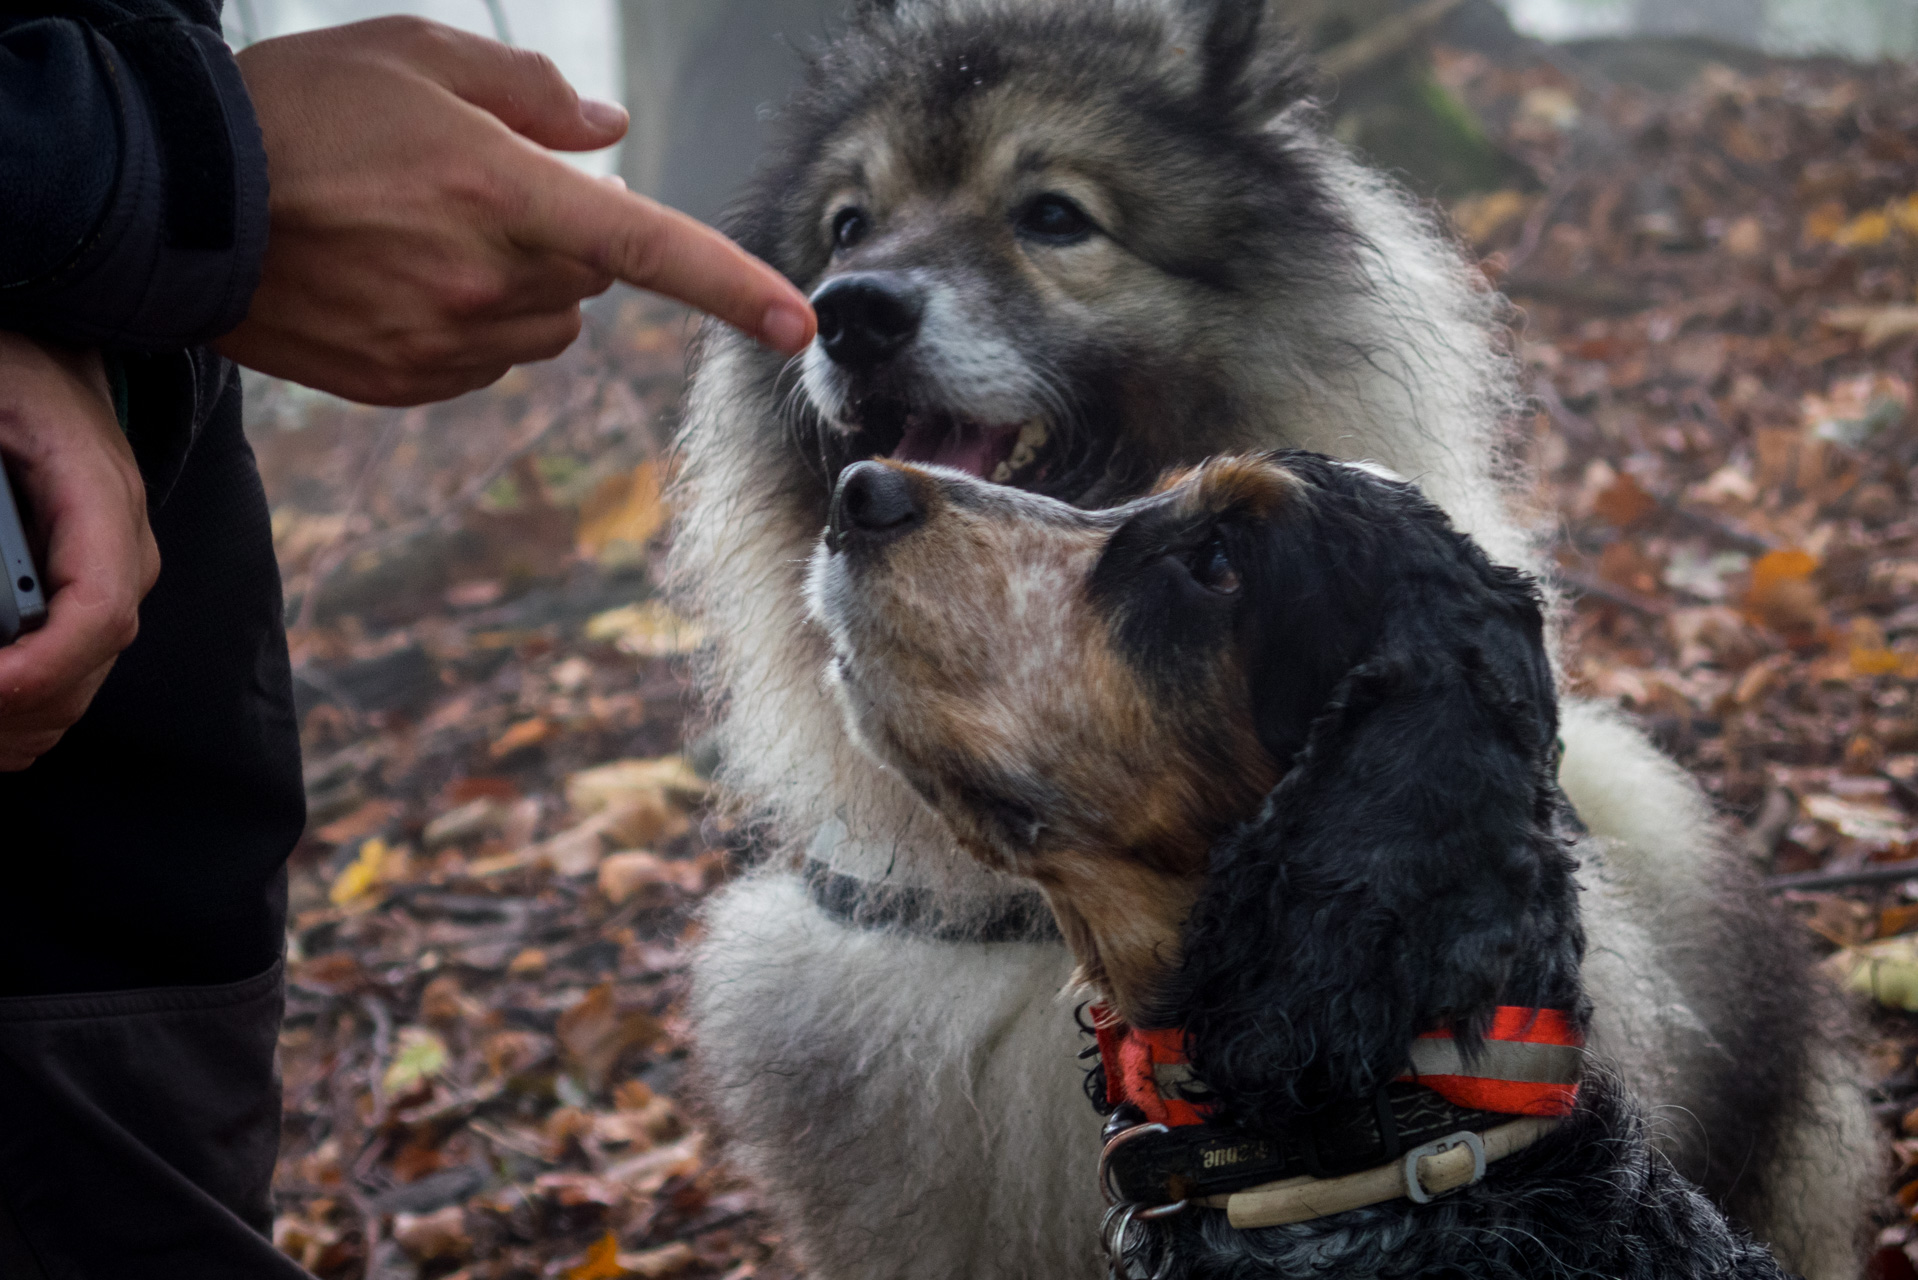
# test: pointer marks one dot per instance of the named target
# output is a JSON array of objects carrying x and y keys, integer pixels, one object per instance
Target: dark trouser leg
[
  {"x": 144, "y": 904},
  {"x": 138, "y": 1131}
]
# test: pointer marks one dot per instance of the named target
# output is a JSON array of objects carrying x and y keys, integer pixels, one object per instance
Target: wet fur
[{"x": 938, "y": 1074}]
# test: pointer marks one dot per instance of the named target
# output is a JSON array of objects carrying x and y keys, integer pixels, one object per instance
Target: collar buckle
[
  {"x": 1453, "y": 1175},
  {"x": 1117, "y": 1140},
  {"x": 1125, "y": 1257}
]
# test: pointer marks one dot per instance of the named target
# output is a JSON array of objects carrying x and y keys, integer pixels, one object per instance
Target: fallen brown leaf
[
  {"x": 434, "y": 1237},
  {"x": 527, "y": 733},
  {"x": 595, "y": 1034},
  {"x": 1783, "y": 595},
  {"x": 1876, "y": 325},
  {"x": 1624, "y": 502},
  {"x": 654, "y": 880},
  {"x": 654, "y": 1264},
  {"x": 359, "y": 824},
  {"x": 601, "y": 1261},
  {"x": 625, "y": 509}
]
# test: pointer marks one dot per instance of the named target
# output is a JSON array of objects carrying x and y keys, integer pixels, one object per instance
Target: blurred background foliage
[{"x": 703, "y": 77}]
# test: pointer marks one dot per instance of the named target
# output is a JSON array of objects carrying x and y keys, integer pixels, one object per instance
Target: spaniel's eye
[
  {"x": 1211, "y": 567},
  {"x": 1054, "y": 219},
  {"x": 849, "y": 227}
]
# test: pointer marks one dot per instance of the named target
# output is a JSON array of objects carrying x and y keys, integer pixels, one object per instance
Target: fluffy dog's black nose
[
  {"x": 873, "y": 501},
  {"x": 867, "y": 316}
]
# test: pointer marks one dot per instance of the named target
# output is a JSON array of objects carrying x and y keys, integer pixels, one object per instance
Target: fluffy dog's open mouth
[{"x": 1002, "y": 454}]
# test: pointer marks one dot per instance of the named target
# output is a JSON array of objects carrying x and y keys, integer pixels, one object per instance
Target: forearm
[{"x": 136, "y": 215}]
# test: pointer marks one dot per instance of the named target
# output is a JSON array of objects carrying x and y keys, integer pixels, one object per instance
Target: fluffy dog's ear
[
  {"x": 1247, "y": 62},
  {"x": 1231, "y": 37},
  {"x": 1408, "y": 872}
]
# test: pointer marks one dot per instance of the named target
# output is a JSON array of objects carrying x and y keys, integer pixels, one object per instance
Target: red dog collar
[{"x": 1528, "y": 1065}]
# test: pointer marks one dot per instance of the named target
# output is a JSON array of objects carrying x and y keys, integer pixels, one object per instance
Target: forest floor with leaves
[{"x": 1716, "y": 294}]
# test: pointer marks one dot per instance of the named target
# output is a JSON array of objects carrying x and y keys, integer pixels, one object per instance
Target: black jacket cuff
[{"x": 175, "y": 255}]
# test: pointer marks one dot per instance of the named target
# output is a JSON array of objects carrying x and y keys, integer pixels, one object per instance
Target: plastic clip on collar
[
  {"x": 1464, "y": 1139},
  {"x": 1528, "y": 1066},
  {"x": 1433, "y": 1170}
]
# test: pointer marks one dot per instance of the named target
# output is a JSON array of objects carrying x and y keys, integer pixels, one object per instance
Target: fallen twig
[
  {"x": 1875, "y": 873},
  {"x": 1724, "y": 530},
  {"x": 1624, "y": 597},
  {"x": 468, "y": 493},
  {"x": 1386, "y": 39}
]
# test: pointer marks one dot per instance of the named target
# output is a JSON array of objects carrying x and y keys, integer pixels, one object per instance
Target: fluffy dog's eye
[
  {"x": 849, "y": 227},
  {"x": 1054, "y": 219},
  {"x": 1211, "y": 567}
]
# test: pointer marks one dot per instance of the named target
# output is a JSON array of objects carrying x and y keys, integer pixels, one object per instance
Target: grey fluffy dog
[{"x": 1063, "y": 245}]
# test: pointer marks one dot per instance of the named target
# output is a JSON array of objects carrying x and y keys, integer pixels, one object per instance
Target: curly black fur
[
  {"x": 1594, "y": 1199},
  {"x": 1409, "y": 871},
  {"x": 1413, "y": 869}
]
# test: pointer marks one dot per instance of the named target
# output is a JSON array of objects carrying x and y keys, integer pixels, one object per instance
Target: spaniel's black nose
[
  {"x": 873, "y": 502},
  {"x": 867, "y": 316}
]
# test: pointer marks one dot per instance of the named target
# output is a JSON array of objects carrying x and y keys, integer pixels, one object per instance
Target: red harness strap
[
  {"x": 1133, "y": 1060},
  {"x": 1528, "y": 1066}
]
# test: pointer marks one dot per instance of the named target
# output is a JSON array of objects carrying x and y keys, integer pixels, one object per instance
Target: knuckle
[
  {"x": 492, "y": 192},
  {"x": 28, "y": 696},
  {"x": 382, "y": 384},
  {"x": 484, "y": 377},
  {"x": 420, "y": 351},
  {"x": 420, "y": 36},
  {"x": 471, "y": 292},
  {"x": 638, "y": 252},
  {"x": 536, "y": 68},
  {"x": 395, "y": 389},
  {"x": 559, "y": 338},
  {"x": 18, "y": 756}
]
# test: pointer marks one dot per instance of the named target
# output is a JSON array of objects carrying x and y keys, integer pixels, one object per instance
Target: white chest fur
[{"x": 918, "y": 1104}]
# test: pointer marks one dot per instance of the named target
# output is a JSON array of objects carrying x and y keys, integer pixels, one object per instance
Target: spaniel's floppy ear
[{"x": 1407, "y": 873}]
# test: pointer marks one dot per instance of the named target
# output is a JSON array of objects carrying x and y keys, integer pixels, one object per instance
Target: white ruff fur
[{"x": 914, "y": 1107}]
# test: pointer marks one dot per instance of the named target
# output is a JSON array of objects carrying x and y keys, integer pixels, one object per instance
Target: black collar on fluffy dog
[{"x": 1278, "y": 745}]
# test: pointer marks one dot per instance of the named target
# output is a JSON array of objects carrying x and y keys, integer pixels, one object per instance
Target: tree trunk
[{"x": 703, "y": 78}]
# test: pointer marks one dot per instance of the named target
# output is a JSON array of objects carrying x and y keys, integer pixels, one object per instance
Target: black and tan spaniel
[{"x": 1278, "y": 745}]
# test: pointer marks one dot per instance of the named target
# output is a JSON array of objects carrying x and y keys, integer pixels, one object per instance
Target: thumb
[{"x": 521, "y": 87}]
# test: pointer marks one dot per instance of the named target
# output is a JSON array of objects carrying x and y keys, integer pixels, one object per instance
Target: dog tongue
[{"x": 964, "y": 446}]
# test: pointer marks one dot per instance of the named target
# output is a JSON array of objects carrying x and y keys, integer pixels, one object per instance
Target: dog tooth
[{"x": 1032, "y": 438}]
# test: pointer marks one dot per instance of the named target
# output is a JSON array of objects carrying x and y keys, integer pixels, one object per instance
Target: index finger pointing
[{"x": 648, "y": 245}]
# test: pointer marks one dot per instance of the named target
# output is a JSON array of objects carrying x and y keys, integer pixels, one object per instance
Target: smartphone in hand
[{"x": 23, "y": 603}]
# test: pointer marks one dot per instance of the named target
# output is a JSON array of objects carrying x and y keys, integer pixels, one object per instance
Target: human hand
[
  {"x": 422, "y": 241},
  {"x": 72, "y": 466}
]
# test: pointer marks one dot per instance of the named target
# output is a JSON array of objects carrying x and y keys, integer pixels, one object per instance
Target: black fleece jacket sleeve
[{"x": 134, "y": 179}]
